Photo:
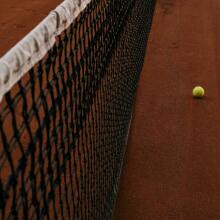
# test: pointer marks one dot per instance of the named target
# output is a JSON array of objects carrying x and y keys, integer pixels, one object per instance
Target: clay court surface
[
  {"x": 172, "y": 165},
  {"x": 17, "y": 18}
]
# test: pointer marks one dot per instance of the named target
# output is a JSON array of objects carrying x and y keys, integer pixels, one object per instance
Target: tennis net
[{"x": 67, "y": 91}]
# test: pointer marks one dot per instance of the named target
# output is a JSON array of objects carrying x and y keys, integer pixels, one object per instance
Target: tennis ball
[{"x": 198, "y": 92}]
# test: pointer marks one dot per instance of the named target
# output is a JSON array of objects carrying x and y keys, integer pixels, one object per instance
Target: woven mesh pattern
[{"x": 64, "y": 125}]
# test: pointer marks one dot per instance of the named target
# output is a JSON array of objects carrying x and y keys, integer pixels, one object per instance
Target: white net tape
[{"x": 32, "y": 48}]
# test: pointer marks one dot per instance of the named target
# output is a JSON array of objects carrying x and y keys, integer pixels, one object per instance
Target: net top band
[{"x": 33, "y": 47}]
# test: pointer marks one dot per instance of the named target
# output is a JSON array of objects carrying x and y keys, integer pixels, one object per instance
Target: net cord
[{"x": 34, "y": 46}]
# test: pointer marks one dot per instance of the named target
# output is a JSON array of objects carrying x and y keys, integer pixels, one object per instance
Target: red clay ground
[
  {"x": 18, "y": 17},
  {"x": 172, "y": 166}
]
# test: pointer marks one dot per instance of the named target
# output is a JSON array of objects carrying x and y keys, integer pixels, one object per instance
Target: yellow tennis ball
[{"x": 198, "y": 92}]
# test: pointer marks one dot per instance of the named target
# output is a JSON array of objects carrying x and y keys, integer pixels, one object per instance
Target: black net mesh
[{"x": 64, "y": 125}]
